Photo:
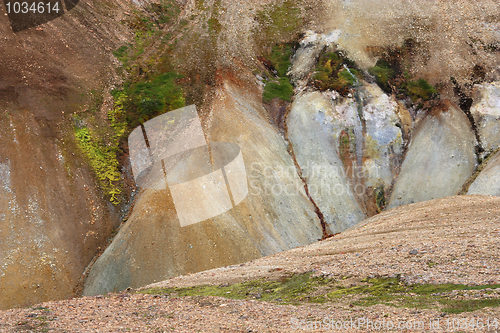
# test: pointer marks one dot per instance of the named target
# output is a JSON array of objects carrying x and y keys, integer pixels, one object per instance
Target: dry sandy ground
[{"x": 459, "y": 236}]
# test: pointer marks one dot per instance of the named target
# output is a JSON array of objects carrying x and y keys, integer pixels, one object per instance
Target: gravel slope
[{"x": 459, "y": 235}]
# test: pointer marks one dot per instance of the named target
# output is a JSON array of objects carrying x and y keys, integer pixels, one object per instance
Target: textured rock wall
[
  {"x": 488, "y": 180},
  {"x": 53, "y": 217},
  {"x": 486, "y": 113},
  {"x": 276, "y": 215},
  {"x": 313, "y": 131},
  {"x": 439, "y": 160},
  {"x": 349, "y": 150}
]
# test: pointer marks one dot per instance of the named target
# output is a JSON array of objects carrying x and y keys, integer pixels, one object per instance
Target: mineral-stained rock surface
[
  {"x": 313, "y": 133},
  {"x": 488, "y": 180},
  {"x": 53, "y": 216},
  {"x": 348, "y": 150},
  {"x": 486, "y": 113},
  {"x": 277, "y": 215},
  {"x": 439, "y": 160}
]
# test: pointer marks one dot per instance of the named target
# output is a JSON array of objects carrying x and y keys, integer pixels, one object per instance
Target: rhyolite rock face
[
  {"x": 276, "y": 215},
  {"x": 338, "y": 146},
  {"x": 488, "y": 180},
  {"x": 348, "y": 149},
  {"x": 53, "y": 215},
  {"x": 54, "y": 218},
  {"x": 305, "y": 58},
  {"x": 383, "y": 136},
  {"x": 51, "y": 221},
  {"x": 439, "y": 160},
  {"x": 486, "y": 113},
  {"x": 313, "y": 132}
]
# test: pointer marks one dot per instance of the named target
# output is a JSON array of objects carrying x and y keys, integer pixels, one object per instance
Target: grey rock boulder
[
  {"x": 349, "y": 150},
  {"x": 488, "y": 180},
  {"x": 439, "y": 160},
  {"x": 486, "y": 113},
  {"x": 313, "y": 128},
  {"x": 383, "y": 146}
]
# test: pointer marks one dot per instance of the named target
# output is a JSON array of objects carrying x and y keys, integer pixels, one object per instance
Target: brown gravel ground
[{"x": 459, "y": 235}]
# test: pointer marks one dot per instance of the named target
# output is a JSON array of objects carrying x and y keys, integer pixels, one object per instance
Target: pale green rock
[
  {"x": 486, "y": 113},
  {"x": 488, "y": 180},
  {"x": 439, "y": 160}
]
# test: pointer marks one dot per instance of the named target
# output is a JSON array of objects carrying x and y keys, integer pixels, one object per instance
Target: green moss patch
[
  {"x": 335, "y": 72},
  {"x": 383, "y": 74},
  {"x": 146, "y": 99},
  {"x": 467, "y": 305},
  {"x": 307, "y": 288},
  {"x": 99, "y": 141},
  {"x": 295, "y": 289},
  {"x": 280, "y": 58},
  {"x": 280, "y": 86},
  {"x": 419, "y": 90},
  {"x": 391, "y": 74},
  {"x": 393, "y": 292},
  {"x": 134, "y": 104},
  {"x": 103, "y": 161}
]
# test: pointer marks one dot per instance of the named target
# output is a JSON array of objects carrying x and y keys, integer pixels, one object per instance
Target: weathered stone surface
[
  {"x": 313, "y": 129},
  {"x": 305, "y": 59},
  {"x": 53, "y": 216},
  {"x": 488, "y": 180},
  {"x": 439, "y": 160},
  {"x": 276, "y": 215},
  {"x": 347, "y": 152},
  {"x": 486, "y": 113},
  {"x": 51, "y": 222},
  {"x": 383, "y": 146}
]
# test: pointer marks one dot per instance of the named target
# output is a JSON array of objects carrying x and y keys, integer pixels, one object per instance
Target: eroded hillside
[
  {"x": 53, "y": 215},
  {"x": 341, "y": 109}
]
